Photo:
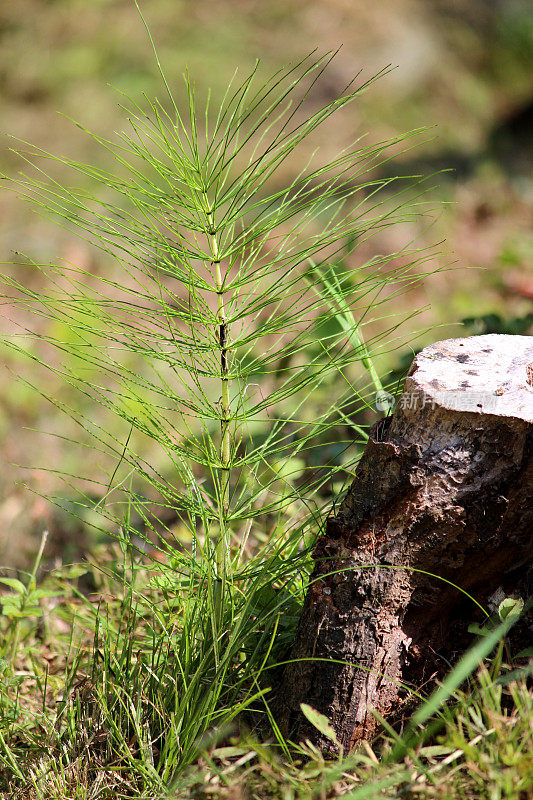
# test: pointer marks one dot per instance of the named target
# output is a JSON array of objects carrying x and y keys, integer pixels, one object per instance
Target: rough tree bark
[{"x": 444, "y": 486}]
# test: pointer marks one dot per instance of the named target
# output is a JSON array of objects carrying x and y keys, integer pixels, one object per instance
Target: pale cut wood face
[{"x": 489, "y": 374}]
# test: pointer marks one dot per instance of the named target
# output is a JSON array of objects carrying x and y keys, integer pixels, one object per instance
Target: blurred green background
[{"x": 464, "y": 67}]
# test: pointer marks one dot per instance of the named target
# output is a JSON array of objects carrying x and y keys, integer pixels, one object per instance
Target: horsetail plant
[{"x": 234, "y": 313}]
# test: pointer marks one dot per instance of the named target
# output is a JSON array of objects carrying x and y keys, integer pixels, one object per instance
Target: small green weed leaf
[
  {"x": 290, "y": 469},
  {"x": 370, "y": 790},
  {"x": 5, "y": 666},
  {"x": 38, "y": 594},
  {"x": 14, "y": 583},
  {"x": 264, "y": 599},
  {"x": 9, "y": 610},
  {"x": 16, "y": 613},
  {"x": 72, "y": 571},
  {"x": 320, "y": 722},
  {"x": 435, "y": 751},
  {"x": 527, "y": 653},
  {"x": 232, "y": 752},
  {"x": 477, "y": 629},
  {"x": 510, "y": 607}
]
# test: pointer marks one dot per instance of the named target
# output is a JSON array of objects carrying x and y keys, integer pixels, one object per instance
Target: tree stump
[{"x": 444, "y": 487}]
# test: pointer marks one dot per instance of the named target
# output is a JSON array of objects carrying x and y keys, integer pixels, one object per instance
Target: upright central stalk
[{"x": 225, "y": 415}]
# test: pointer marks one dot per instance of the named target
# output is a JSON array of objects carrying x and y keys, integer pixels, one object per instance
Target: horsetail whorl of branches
[{"x": 227, "y": 322}]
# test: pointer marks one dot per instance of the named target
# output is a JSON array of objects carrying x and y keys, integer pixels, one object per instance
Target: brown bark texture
[{"x": 444, "y": 488}]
